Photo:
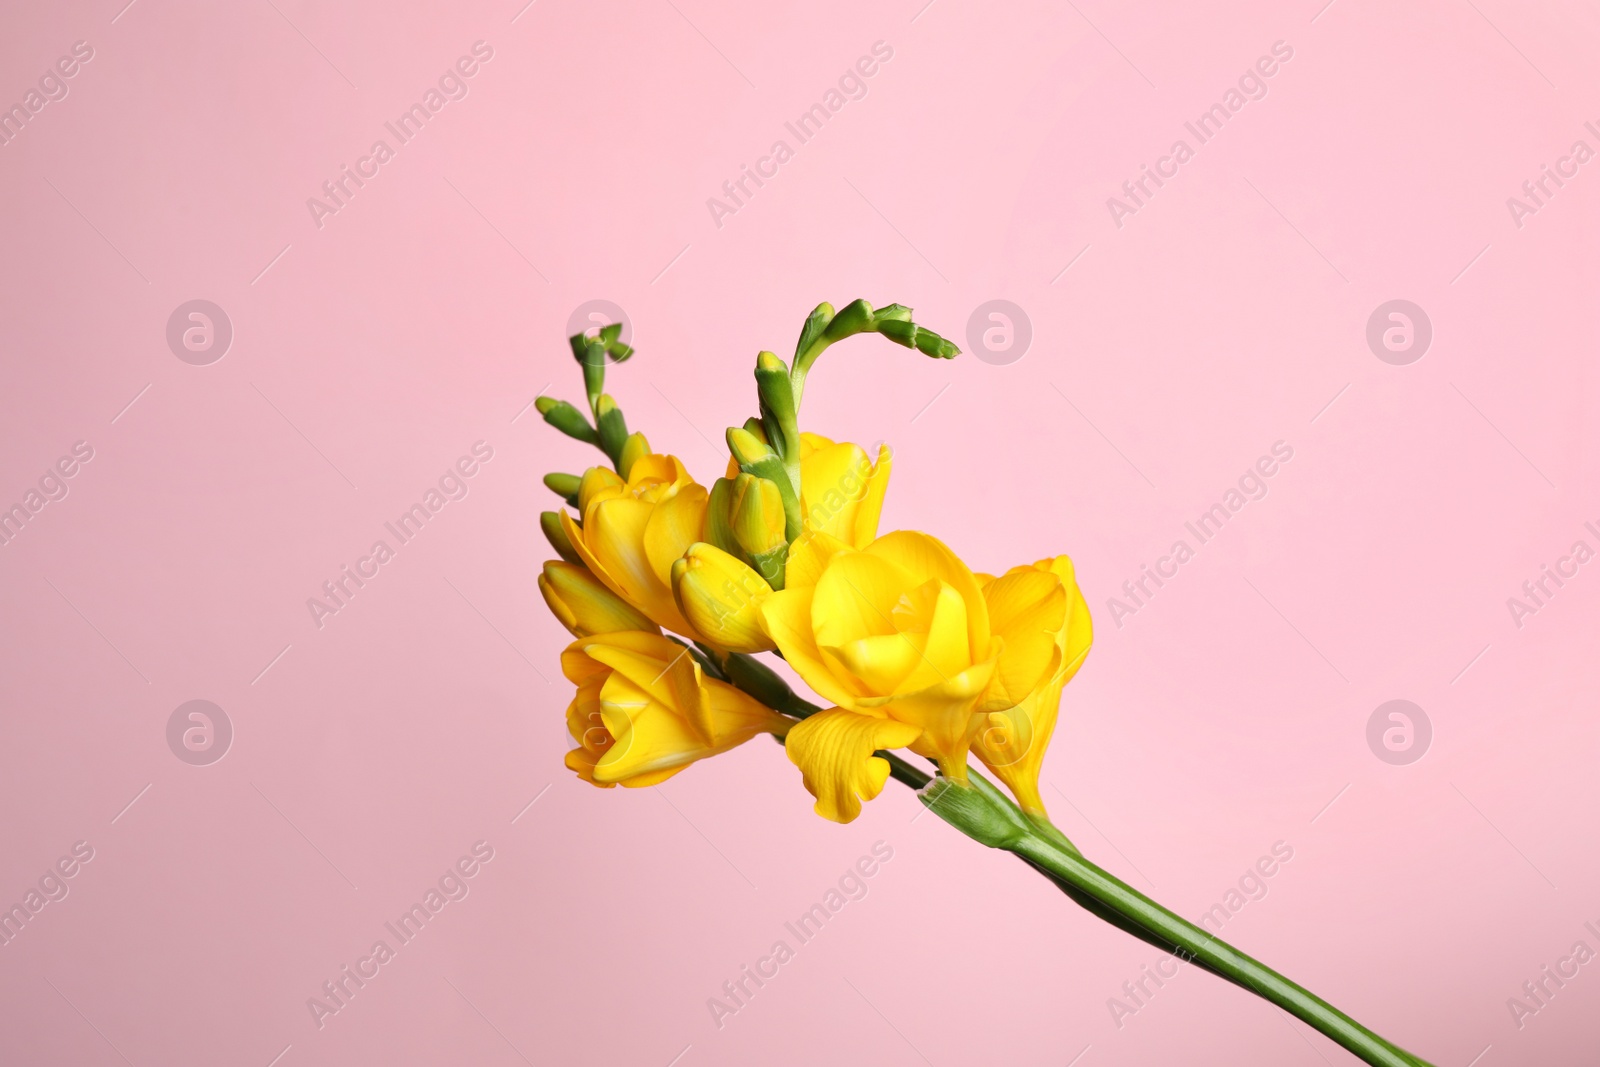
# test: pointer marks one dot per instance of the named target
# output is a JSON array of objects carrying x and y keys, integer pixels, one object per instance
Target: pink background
[{"x": 369, "y": 353}]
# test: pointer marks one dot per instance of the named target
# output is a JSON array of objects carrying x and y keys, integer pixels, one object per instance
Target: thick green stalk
[
  {"x": 988, "y": 816},
  {"x": 1194, "y": 943}
]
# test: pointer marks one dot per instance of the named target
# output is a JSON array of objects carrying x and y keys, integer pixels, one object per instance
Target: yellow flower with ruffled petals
[
  {"x": 1012, "y": 740},
  {"x": 644, "y": 710},
  {"x": 897, "y": 630},
  {"x": 635, "y": 529}
]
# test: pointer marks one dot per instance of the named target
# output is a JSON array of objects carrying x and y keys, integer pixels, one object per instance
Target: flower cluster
[{"x": 908, "y": 646}]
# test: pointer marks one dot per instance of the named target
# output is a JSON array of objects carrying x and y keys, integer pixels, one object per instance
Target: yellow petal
[
  {"x": 786, "y": 616},
  {"x": 871, "y": 509},
  {"x": 808, "y": 557},
  {"x": 945, "y": 712},
  {"x": 1027, "y": 608},
  {"x": 599, "y": 483},
  {"x": 856, "y": 598},
  {"x": 1014, "y": 744},
  {"x": 584, "y": 605},
  {"x": 721, "y": 597},
  {"x": 834, "y": 751},
  {"x": 922, "y": 557},
  {"x": 833, "y": 482}
]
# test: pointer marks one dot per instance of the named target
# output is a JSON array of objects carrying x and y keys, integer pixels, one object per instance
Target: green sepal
[
  {"x": 770, "y": 565},
  {"x": 613, "y": 428}
]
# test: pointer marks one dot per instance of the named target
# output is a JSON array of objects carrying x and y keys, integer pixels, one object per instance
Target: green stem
[
  {"x": 989, "y": 817},
  {"x": 1191, "y": 942}
]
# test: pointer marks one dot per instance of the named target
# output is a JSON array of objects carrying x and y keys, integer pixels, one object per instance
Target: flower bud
[
  {"x": 613, "y": 427},
  {"x": 756, "y": 515},
  {"x": 756, "y": 457},
  {"x": 566, "y": 418},
  {"x": 634, "y": 447},
  {"x": 550, "y": 525},
  {"x": 584, "y": 606},
  {"x": 564, "y": 485},
  {"x": 721, "y": 597}
]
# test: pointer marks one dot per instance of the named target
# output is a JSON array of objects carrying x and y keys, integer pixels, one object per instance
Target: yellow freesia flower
[
  {"x": 903, "y": 631},
  {"x": 644, "y": 711},
  {"x": 585, "y": 606},
  {"x": 635, "y": 529},
  {"x": 1011, "y": 741}
]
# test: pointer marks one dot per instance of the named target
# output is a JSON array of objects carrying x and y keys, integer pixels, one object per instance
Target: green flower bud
[
  {"x": 550, "y": 525},
  {"x": 634, "y": 447},
  {"x": 856, "y": 317},
  {"x": 564, "y": 485},
  {"x": 613, "y": 427},
  {"x": 911, "y": 335},
  {"x": 566, "y": 418},
  {"x": 719, "y": 525},
  {"x": 775, "y": 394},
  {"x": 756, "y": 515},
  {"x": 756, "y": 457}
]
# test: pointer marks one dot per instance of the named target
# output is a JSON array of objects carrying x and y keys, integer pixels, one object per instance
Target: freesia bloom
[
  {"x": 634, "y": 530},
  {"x": 897, "y": 630},
  {"x": 644, "y": 710},
  {"x": 1012, "y": 741}
]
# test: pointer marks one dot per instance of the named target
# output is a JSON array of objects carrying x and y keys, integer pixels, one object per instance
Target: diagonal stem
[{"x": 989, "y": 817}]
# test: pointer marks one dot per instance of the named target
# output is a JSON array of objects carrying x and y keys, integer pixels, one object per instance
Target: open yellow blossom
[
  {"x": 1011, "y": 741},
  {"x": 634, "y": 530},
  {"x": 644, "y": 711}
]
